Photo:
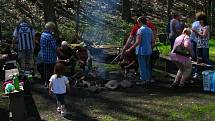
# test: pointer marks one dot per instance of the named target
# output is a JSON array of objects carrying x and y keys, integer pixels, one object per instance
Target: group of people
[
  {"x": 51, "y": 60},
  {"x": 195, "y": 39},
  {"x": 138, "y": 48},
  {"x": 137, "y": 52}
]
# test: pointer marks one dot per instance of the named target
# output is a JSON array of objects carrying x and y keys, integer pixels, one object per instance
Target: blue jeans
[{"x": 144, "y": 66}]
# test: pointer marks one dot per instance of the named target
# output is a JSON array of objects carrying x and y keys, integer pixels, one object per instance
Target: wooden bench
[{"x": 171, "y": 69}]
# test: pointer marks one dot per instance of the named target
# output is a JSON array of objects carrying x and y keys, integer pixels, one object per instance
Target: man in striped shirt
[{"x": 23, "y": 35}]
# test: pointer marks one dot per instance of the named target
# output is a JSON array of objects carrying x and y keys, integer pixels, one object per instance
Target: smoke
[{"x": 98, "y": 14}]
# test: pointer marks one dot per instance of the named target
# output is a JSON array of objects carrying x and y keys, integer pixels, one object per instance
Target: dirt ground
[{"x": 155, "y": 103}]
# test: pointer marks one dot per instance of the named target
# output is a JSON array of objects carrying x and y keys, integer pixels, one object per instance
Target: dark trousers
[
  {"x": 172, "y": 41},
  {"x": 60, "y": 98},
  {"x": 204, "y": 54},
  {"x": 194, "y": 52},
  {"x": 46, "y": 71}
]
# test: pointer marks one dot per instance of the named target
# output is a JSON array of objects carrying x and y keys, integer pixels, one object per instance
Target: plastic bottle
[
  {"x": 16, "y": 82},
  {"x": 213, "y": 83}
]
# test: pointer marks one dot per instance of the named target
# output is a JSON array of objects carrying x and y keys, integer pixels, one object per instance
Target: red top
[
  {"x": 137, "y": 26},
  {"x": 135, "y": 29},
  {"x": 151, "y": 25}
]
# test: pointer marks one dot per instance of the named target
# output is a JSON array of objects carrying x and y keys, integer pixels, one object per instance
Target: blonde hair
[
  {"x": 50, "y": 25},
  {"x": 186, "y": 31}
]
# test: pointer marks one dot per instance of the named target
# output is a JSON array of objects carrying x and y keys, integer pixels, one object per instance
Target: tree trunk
[
  {"x": 126, "y": 14},
  {"x": 169, "y": 6},
  {"x": 77, "y": 16},
  {"x": 49, "y": 15},
  {"x": 212, "y": 16},
  {"x": 49, "y": 10}
]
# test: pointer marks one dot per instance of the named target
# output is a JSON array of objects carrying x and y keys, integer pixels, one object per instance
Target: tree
[{"x": 126, "y": 14}]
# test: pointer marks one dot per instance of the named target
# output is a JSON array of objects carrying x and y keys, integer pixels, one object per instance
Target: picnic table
[{"x": 169, "y": 68}]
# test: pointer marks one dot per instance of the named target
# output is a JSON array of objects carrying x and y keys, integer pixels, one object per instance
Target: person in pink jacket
[{"x": 183, "y": 62}]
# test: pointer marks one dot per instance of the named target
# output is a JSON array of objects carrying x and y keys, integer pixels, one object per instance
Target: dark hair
[
  {"x": 37, "y": 34},
  {"x": 175, "y": 15},
  {"x": 142, "y": 20},
  {"x": 200, "y": 15},
  {"x": 204, "y": 19},
  {"x": 59, "y": 69}
]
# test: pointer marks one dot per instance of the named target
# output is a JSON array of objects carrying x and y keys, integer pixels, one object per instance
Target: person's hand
[
  {"x": 128, "y": 50},
  {"x": 50, "y": 92},
  {"x": 67, "y": 61},
  {"x": 126, "y": 66}
]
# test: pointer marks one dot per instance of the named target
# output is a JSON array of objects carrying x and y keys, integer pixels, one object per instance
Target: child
[{"x": 57, "y": 85}]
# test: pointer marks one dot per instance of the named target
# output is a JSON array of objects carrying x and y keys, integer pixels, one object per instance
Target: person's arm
[
  {"x": 67, "y": 83},
  {"x": 50, "y": 87},
  {"x": 79, "y": 57},
  {"x": 14, "y": 38},
  {"x": 34, "y": 40},
  {"x": 132, "y": 63},
  {"x": 138, "y": 41},
  {"x": 187, "y": 44},
  {"x": 128, "y": 41},
  {"x": 88, "y": 55},
  {"x": 205, "y": 32},
  {"x": 153, "y": 40},
  {"x": 175, "y": 29}
]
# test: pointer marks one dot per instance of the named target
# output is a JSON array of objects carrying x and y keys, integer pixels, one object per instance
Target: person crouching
[
  {"x": 182, "y": 62},
  {"x": 127, "y": 62}
]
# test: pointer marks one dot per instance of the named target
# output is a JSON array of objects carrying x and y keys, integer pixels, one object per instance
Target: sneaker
[
  {"x": 62, "y": 110},
  {"x": 151, "y": 81},
  {"x": 195, "y": 76},
  {"x": 58, "y": 109}
]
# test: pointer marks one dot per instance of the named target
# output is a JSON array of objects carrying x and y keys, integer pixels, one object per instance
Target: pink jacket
[{"x": 179, "y": 58}]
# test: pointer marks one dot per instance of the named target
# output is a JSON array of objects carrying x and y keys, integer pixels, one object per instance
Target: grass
[{"x": 164, "y": 49}]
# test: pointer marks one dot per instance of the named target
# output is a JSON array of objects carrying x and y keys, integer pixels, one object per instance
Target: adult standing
[
  {"x": 48, "y": 51},
  {"x": 182, "y": 62},
  {"x": 193, "y": 37},
  {"x": 175, "y": 29},
  {"x": 23, "y": 35},
  {"x": 202, "y": 40},
  {"x": 143, "y": 50},
  {"x": 132, "y": 37}
]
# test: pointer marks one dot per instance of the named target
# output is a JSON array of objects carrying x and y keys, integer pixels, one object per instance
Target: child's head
[{"x": 59, "y": 69}]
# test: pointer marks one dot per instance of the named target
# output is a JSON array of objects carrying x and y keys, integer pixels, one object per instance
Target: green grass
[{"x": 212, "y": 50}]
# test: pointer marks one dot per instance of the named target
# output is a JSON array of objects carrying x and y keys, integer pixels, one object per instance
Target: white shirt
[
  {"x": 195, "y": 26},
  {"x": 58, "y": 84}
]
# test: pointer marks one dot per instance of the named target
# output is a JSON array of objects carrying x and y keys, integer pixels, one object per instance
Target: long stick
[{"x": 116, "y": 58}]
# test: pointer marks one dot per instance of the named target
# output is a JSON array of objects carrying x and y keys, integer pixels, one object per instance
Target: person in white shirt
[
  {"x": 193, "y": 37},
  {"x": 58, "y": 86}
]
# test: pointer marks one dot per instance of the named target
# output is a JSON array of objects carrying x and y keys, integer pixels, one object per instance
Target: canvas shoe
[{"x": 58, "y": 109}]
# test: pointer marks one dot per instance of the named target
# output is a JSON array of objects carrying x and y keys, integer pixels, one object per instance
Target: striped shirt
[
  {"x": 48, "y": 48},
  {"x": 145, "y": 47},
  {"x": 24, "y": 35}
]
